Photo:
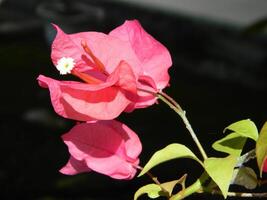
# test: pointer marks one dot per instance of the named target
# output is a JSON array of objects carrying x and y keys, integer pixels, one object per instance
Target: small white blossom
[{"x": 65, "y": 65}]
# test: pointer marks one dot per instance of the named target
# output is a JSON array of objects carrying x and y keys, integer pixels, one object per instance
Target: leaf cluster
[{"x": 218, "y": 172}]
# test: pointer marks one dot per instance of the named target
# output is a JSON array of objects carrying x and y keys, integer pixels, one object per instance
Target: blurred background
[{"x": 219, "y": 52}]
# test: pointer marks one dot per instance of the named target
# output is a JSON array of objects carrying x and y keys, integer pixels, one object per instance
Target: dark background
[{"x": 218, "y": 76}]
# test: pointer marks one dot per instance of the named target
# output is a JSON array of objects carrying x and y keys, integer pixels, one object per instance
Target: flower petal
[
  {"x": 265, "y": 166},
  {"x": 74, "y": 167},
  {"x": 109, "y": 50},
  {"x": 64, "y": 46},
  {"x": 125, "y": 79},
  {"x": 102, "y": 145},
  {"x": 86, "y": 102},
  {"x": 129, "y": 136},
  {"x": 155, "y": 59}
]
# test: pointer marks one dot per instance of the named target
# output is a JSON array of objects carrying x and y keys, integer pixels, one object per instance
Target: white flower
[{"x": 65, "y": 65}]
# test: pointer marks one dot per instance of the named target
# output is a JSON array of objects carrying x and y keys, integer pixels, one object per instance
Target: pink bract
[
  {"x": 265, "y": 166},
  {"x": 86, "y": 102},
  {"x": 119, "y": 66},
  {"x": 106, "y": 147}
]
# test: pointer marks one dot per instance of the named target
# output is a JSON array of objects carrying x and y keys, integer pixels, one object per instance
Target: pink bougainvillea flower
[
  {"x": 106, "y": 147},
  {"x": 116, "y": 70},
  {"x": 265, "y": 166}
]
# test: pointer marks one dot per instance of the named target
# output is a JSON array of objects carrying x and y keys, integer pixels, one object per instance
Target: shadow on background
[{"x": 218, "y": 76}]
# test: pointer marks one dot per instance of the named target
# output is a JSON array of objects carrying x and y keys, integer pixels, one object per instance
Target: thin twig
[
  {"x": 171, "y": 100},
  {"x": 246, "y": 157},
  {"x": 177, "y": 108},
  {"x": 262, "y": 182},
  {"x": 241, "y": 194},
  {"x": 153, "y": 178}
]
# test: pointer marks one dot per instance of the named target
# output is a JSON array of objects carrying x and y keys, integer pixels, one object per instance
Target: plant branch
[
  {"x": 153, "y": 178},
  {"x": 177, "y": 108},
  {"x": 241, "y": 194},
  {"x": 246, "y": 157},
  {"x": 262, "y": 182}
]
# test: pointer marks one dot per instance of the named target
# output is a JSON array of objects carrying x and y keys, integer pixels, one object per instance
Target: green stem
[
  {"x": 188, "y": 191},
  {"x": 177, "y": 108},
  {"x": 196, "y": 187}
]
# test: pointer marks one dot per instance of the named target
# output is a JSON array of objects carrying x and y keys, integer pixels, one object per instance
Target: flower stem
[{"x": 177, "y": 108}]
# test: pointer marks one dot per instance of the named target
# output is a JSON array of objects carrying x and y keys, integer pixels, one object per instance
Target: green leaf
[
  {"x": 172, "y": 151},
  {"x": 221, "y": 171},
  {"x": 231, "y": 144},
  {"x": 261, "y": 148},
  {"x": 169, "y": 186},
  {"x": 234, "y": 142},
  {"x": 164, "y": 189},
  {"x": 153, "y": 191},
  {"x": 245, "y": 128},
  {"x": 245, "y": 177}
]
